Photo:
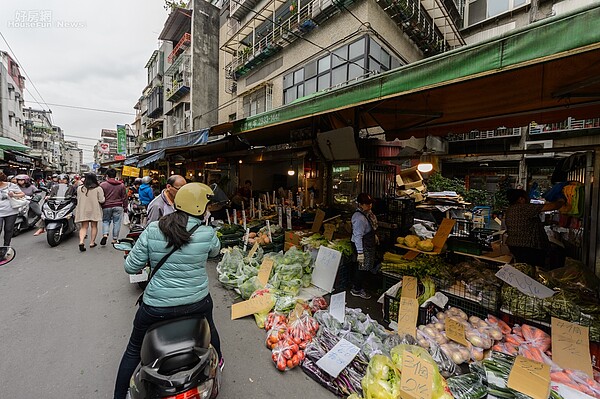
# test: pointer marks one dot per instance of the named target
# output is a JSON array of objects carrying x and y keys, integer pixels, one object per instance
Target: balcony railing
[
  {"x": 501, "y": 132},
  {"x": 179, "y": 88},
  {"x": 183, "y": 44},
  {"x": 283, "y": 33},
  {"x": 567, "y": 125}
]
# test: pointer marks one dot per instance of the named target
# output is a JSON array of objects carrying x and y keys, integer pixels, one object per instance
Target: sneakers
[
  {"x": 103, "y": 240},
  {"x": 221, "y": 364},
  {"x": 360, "y": 293}
]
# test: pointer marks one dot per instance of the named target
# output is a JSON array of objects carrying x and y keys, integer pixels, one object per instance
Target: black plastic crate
[
  {"x": 342, "y": 278},
  {"x": 390, "y": 310},
  {"x": 465, "y": 245},
  {"x": 401, "y": 205}
]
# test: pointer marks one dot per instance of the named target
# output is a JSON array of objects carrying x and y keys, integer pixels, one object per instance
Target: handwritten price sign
[
  {"x": 571, "y": 346},
  {"x": 408, "y": 313},
  {"x": 530, "y": 377},
  {"x": 417, "y": 377},
  {"x": 456, "y": 332},
  {"x": 338, "y": 358},
  {"x": 523, "y": 282},
  {"x": 409, "y": 287}
]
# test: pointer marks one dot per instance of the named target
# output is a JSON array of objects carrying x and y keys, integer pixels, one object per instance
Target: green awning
[
  {"x": 9, "y": 144},
  {"x": 560, "y": 38}
]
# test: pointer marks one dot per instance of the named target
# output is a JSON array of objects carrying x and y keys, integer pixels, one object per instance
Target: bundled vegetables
[{"x": 422, "y": 266}]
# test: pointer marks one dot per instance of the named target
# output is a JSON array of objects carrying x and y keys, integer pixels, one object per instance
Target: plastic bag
[
  {"x": 285, "y": 303},
  {"x": 290, "y": 287},
  {"x": 447, "y": 367},
  {"x": 457, "y": 353},
  {"x": 536, "y": 338},
  {"x": 354, "y": 338},
  {"x": 467, "y": 386},
  {"x": 304, "y": 328},
  {"x": 306, "y": 280},
  {"x": 288, "y": 272},
  {"x": 275, "y": 335},
  {"x": 261, "y": 317},
  {"x": 373, "y": 346},
  {"x": 249, "y": 286},
  {"x": 318, "y": 303},
  {"x": 286, "y": 354},
  {"x": 275, "y": 320},
  {"x": 328, "y": 322}
]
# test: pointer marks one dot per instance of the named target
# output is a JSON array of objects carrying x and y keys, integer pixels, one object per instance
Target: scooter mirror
[
  {"x": 123, "y": 246},
  {"x": 7, "y": 254}
]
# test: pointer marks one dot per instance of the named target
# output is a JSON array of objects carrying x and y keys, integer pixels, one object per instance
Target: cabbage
[{"x": 382, "y": 380}]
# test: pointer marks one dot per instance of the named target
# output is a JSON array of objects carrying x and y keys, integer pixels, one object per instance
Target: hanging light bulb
[
  {"x": 425, "y": 163},
  {"x": 291, "y": 171}
]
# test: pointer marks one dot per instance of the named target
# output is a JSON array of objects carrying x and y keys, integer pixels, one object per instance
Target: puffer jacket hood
[{"x": 182, "y": 279}]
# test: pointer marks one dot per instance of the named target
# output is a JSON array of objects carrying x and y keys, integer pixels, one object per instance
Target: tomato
[
  {"x": 290, "y": 364},
  {"x": 300, "y": 355},
  {"x": 295, "y": 348},
  {"x": 287, "y": 354},
  {"x": 297, "y": 340},
  {"x": 281, "y": 365},
  {"x": 295, "y": 360}
]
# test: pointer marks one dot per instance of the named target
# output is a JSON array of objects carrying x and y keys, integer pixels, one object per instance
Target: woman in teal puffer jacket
[{"x": 180, "y": 287}]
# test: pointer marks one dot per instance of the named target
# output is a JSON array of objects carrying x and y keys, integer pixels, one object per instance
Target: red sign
[{"x": 119, "y": 157}]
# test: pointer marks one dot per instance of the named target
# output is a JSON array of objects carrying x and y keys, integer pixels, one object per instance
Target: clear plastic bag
[
  {"x": 261, "y": 317},
  {"x": 373, "y": 346},
  {"x": 285, "y": 303},
  {"x": 447, "y": 367},
  {"x": 276, "y": 320},
  {"x": 290, "y": 287},
  {"x": 249, "y": 286},
  {"x": 304, "y": 328},
  {"x": 328, "y": 322},
  {"x": 318, "y": 303},
  {"x": 286, "y": 354}
]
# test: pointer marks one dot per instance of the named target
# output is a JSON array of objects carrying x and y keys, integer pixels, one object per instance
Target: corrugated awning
[
  {"x": 9, "y": 144},
  {"x": 542, "y": 73},
  {"x": 152, "y": 158},
  {"x": 181, "y": 140}
]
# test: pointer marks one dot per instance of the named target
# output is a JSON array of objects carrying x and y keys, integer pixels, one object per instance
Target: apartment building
[
  {"x": 73, "y": 157},
  {"x": 12, "y": 85},
  {"x": 39, "y": 134},
  {"x": 275, "y": 52},
  {"x": 106, "y": 148}
]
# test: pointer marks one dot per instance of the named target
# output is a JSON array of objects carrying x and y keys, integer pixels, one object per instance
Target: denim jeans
[
  {"x": 114, "y": 215},
  {"x": 144, "y": 318}
]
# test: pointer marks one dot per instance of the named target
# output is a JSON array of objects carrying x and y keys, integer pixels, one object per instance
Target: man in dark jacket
[
  {"x": 163, "y": 203},
  {"x": 112, "y": 209}
]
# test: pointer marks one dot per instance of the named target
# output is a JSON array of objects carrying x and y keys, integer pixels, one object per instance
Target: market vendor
[
  {"x": 527, "y": 239},
  {"x": 364, "y": 243}
]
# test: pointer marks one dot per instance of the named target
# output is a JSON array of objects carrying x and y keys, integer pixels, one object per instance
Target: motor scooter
[
  {"x": 58, "y": 213},
  {"x": 177, "y": 359},
  {"x": 27, "y": 216},
  {"x": 137, "y": 211}
]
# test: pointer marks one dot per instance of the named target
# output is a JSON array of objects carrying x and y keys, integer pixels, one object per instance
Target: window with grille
[
  {"x": 259, "y": 101},
  {"x": 479, "y": 10}
]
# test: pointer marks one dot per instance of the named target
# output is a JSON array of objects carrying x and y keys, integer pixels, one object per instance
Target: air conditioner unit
[{"x": 541, "y": 144}]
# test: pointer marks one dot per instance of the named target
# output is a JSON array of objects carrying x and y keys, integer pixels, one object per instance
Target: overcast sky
[{"x": 83, "y": 53}]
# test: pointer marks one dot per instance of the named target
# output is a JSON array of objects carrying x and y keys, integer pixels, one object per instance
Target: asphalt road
[{"x": 66, "y": 317}]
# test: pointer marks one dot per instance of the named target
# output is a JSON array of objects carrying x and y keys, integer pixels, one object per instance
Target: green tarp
[
  {"x": 8, "y": 144},
  {"x": 552, "y": 38}
]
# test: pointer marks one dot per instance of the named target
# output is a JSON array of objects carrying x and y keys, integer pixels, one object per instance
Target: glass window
[
  {"x": 324, "y": 82},
  {"x": 374, "y": 49},
  {"x": 518, "y": 3},
  {"x": 477, "y": 11},
  {"x": 385, "y": 59},
  {"x": 395, "y": 63},
  {"x": 300, "y": 91},
  {"x": 324, "y": 63},
  {"x": 496, "y": 7},
  {"x": 310, "y": 86},
  {"x": 299, "y": 76},
  {"x": 289, "y": 95},
  {"x": 357, "y": 49},
  {"x": 339, "y": 75},
  {"x": 310, "y": 70},
  {"x": 339, "y": 56},
  {"x": 288, "y": 80},
  {"x": 374, "y": 65}
]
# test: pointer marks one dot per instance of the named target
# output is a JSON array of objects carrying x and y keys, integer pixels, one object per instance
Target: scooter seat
[{"x": 174, "y": 336}]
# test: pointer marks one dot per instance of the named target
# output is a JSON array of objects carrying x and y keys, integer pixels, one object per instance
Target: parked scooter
[
  {"x": 177, "y": 360},
  {"x": 27, "y": 216},
  {"x": 58, "y": 213}
]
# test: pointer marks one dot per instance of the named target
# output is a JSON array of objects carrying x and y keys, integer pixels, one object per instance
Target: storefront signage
[
  {"x": 120, "y": 157},
  {"x": 104, "y": 148},
  {"x": 130, "y": 171},
  {"x": 530, "y": 377},
  {"x": 523, "y": 282},
  {"x": 121, "y": 140},
  {"x": 571, "y": 346},
  {"x": 408, "y": 314},
  {"x": 416, "y": 381},
  {"x": 338, "y": 358}
]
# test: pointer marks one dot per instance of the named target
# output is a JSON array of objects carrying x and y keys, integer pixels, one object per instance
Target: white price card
[
  {"x": 523, "y": 282},
  {"x": 337, "y": 306},
  {"x": 338, "y": 358}
]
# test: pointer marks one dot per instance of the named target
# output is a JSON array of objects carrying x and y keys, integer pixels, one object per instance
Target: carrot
[
  {"x": 513, "y": 350},
  {"x": 536, "y": 337},
  {"x": 514, "y": 339},
  {"x": 517, "y": 330},
  {"x": 560, "y": 376},
  {"x": 491, "y": 319}
]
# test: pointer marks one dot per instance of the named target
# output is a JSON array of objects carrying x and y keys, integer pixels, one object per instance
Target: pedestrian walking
[
  {"x": 183, "y": 244},
  {"x": 90, "y": 196},
  {"x": 115, "y": 202},
  {"x": 8, "y": 214}
]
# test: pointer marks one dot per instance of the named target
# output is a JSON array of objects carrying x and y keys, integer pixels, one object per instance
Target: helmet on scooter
[
  {"x": 63, "y": 177},
  {"x": 22, "y": 177},
  {"x": 193, "y": 198},
  {"x": 137, "y": 180},
  {"x": 146, "y": 179}
]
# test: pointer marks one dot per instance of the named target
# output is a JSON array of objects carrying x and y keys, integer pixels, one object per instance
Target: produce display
[
  {"x": 413, "y": 241},
  {"x": 315, "y": 241},
  {"x": 422, "y": 266}
]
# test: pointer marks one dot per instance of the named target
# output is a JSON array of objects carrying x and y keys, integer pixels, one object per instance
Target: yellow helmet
[{"x": 193, "y": 198}]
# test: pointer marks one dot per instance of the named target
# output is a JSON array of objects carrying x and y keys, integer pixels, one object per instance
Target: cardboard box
[
  {"x": 409, "y": 178},
  {"x": 292, "y": 237},
  {"x": 289, "y": 245}
]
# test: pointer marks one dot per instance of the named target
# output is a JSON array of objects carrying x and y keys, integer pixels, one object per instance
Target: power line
[{"x": 24, "y": 71}]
